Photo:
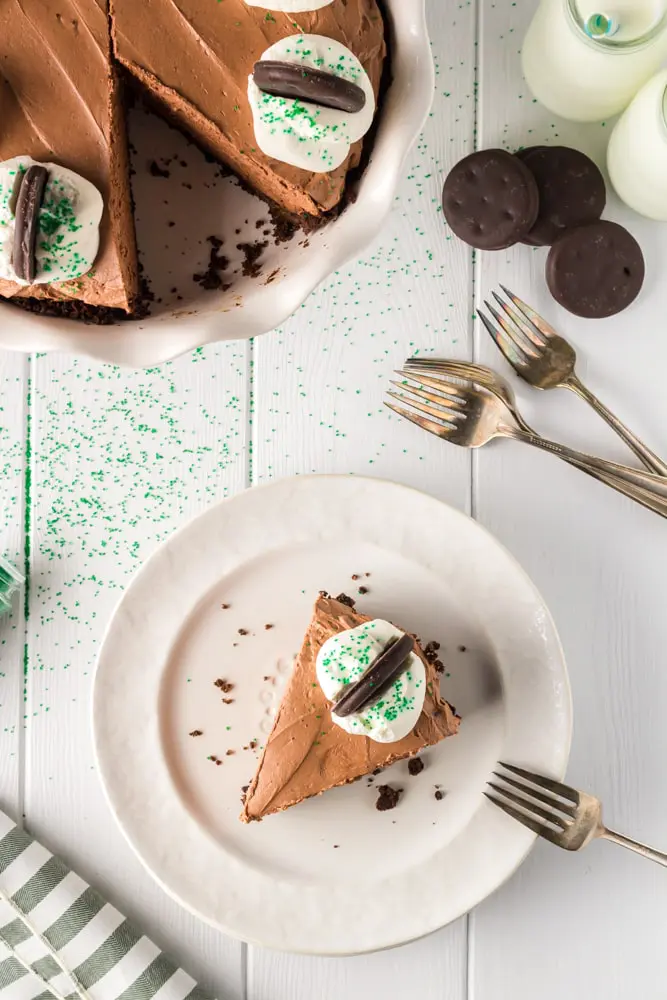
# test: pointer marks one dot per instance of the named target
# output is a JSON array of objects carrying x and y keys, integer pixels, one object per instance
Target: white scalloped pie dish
[{"x": 187, "y": 317}]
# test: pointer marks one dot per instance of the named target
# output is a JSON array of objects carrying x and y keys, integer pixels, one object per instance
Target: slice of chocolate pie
[{"x": 359, "y": 698}]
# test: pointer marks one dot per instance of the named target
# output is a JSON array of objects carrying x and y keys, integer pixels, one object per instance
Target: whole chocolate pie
[
  {"x": 61, "y": 106},
  {"x": 347, "y": 657}
]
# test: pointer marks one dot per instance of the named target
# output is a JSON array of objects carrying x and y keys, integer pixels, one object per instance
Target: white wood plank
[
  {"x": 120, "y": 459},
  {"x": 13, "y": 390},
  {"x": 433, "y": 967},
  {"x": 319, "y": 385},
  {"x": 585, "y": 925}
]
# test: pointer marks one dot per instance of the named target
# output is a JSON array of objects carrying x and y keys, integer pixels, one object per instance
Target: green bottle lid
[{"x": 10, "y": 582}]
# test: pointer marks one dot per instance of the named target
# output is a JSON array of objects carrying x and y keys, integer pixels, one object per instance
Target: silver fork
[
  {"x": 547, "y": 361},
  {"x": 471, "y": 417},
  {"x": 486, "y": 378},
  {"x": 566, "y": 817}
]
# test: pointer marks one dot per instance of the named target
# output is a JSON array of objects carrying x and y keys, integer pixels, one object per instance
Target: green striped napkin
[{"x": 59, "y": 938}]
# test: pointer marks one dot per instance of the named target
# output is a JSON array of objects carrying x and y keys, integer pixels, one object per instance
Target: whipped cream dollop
[
  {"x": 346, "y": 656},
  {"x": 289, "y": 6},
  {"x": 299, "y": 132},
  {"x": 68, "y": 235}
]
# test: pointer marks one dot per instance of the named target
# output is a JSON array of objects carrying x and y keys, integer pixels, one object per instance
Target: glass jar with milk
[
  {"x": 585, "y": 63},
  {"x": 637, "y": 155}
]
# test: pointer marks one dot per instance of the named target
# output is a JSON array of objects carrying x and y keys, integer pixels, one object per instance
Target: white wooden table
[{"x": 98, "y": 465}]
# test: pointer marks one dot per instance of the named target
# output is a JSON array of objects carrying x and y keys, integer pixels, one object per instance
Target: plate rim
[{"x": 530, "y": 838}]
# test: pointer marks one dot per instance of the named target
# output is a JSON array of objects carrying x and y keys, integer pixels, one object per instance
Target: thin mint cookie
[
  {"x": 571, "y": 189},
  {"x": 490, "y": 199},
  {"x": 596, "y": 270}
]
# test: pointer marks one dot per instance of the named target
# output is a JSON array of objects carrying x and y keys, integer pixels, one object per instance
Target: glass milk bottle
[
  {"x": 637, "y": 155},
  {"x": 585, "y": 62}
]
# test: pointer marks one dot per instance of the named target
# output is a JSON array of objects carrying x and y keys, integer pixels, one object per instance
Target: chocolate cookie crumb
[
  {"x": 335, "y": 846},
  {"x": 462, "y": 649},
  {"x": 230, "y": 753},
  {"x": 268, "y": 626},
  {"x": 363, "y": 590},
  {"x": 378, "y": 770},
  {"x": 214, "y": 759},
  {"x": 156, "y": 170},
  {"x": 196, "y": 732},
  {"x": 355, "y": 577},
  {"x": 225, "y": 607},
  {"x": 388, "y": 797},
  {"x": 253, "y": 744},
  {"x": 227, "y": 701},
  {"x": 431, "y": 651},
  {"x": 224, "y": 685},
  {"x": 211, "y": 278},
  {"x": 415, "y": 765},
  {"x": 439, "y": 794},
  {"x": 243, "y": 631},
  {"x": 344, "y": 599},
  {"x": 251, "y": 266}
]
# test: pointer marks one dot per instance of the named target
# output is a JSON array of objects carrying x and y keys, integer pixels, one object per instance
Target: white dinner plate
[{"x": 332, "y": 875}]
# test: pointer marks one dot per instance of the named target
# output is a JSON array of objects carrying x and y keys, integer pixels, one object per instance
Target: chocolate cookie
[
  {"x": 596, "y": 270},
  {"x": 571, "y": 187},
  {"x": 490, "y": 199}
]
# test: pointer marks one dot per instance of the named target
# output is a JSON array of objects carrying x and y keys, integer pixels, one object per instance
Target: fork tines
[
  {"x": 545, "y": 806},
  {"x": 518, "y": 330},
  {"x": 443, "y": 407}
]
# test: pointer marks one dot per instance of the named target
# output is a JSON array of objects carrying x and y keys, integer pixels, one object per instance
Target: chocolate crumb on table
[
  {"x": 363, "y": 590},
  {"x": 415, "y": 765},
  {"x": 388, "y": 797},
  {"x": 439, "y": 794},
  {"x": 225, "y": 607},
  {"x": 462, "y": 649},
  {"x": 268, "y": 626},
  {"x": 243, "y": 631},
  {"x": 230, "y": 753},
  {"x": 227, "y": 701},
  {"x": 344, "y": 599},
  {"x": 196, "y": 732},
  {"x": 355, "y": 577},
  {"x": 224, "y": 685}
]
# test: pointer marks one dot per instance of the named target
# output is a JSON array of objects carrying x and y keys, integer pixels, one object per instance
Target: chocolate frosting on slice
[
  {"x": 28, "y": 203},
  {"x": 283, "y": 79}
]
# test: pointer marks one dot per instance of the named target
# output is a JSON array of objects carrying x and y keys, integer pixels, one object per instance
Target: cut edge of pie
[{"x": 306, "y": 753}]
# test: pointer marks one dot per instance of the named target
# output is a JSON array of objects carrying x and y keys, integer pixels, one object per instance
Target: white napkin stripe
[
  {"x": 92, "y": 937},
  {"x": 177, "y": 988},
  {"x": 23, "y": 868},
  {"x": 57, "y": 902},
  {"x": 126, "y": 971}
]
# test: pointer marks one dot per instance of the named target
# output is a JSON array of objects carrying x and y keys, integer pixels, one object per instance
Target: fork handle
[
  {"x": 633, "y": 845},
  {"x": 648, "y": 498},
  {"x": 646, "y": 456},
  {"x": 648, "y": 482}
]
